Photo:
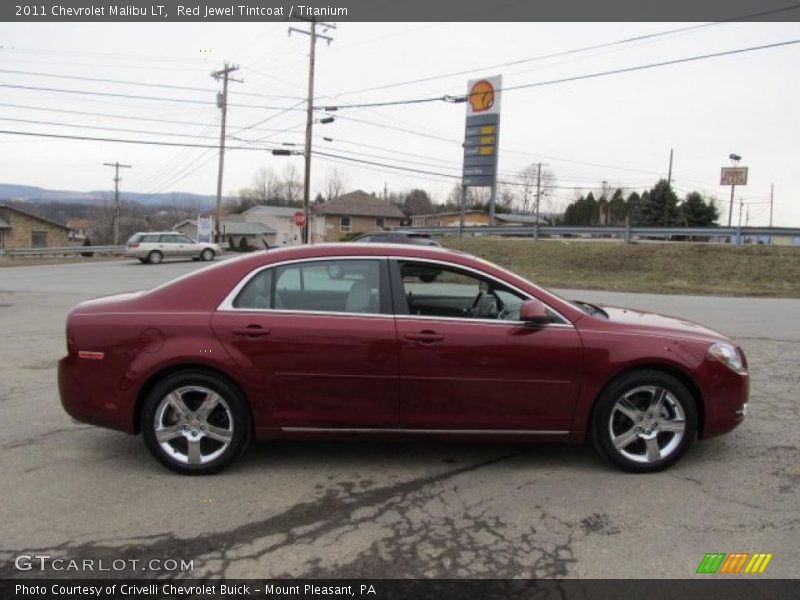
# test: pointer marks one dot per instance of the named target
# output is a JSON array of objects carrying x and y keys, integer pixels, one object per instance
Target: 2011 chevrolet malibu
[{"x": 389, "y": 341}]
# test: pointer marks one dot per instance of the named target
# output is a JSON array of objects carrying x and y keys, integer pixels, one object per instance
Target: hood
[{"x": 653, "y": 322}]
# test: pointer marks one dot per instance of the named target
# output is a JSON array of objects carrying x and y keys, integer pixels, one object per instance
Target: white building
[{"x": 279, "y": 218}]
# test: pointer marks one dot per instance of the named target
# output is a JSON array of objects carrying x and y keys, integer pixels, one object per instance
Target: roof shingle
[{"x": 360, "y": 203}]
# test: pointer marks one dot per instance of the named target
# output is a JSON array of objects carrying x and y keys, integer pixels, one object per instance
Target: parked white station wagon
[{"x": 154, "y": 246}]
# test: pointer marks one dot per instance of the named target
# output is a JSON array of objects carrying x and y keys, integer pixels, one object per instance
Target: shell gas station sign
[{"x": 481, "y": 134}]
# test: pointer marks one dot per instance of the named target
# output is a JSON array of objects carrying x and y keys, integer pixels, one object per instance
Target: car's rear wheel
[
  {"x": 195, "y": 423},
  {"x": 207, "y": 254},
  {"x": 645, "y": 421},
  {"x": 155, "y": 257}
]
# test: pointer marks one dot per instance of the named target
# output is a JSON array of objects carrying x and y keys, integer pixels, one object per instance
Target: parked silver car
[{"x": 154, "y": 246}]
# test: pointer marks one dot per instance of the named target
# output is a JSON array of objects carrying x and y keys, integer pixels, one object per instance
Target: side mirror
[{"x": 533, "y": 311}]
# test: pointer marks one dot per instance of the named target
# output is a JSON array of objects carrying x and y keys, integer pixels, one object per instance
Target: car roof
[{"x": 367, "y": 249}]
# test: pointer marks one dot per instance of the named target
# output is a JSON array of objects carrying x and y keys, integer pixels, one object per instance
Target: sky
[{"x": 618, "y": 128}]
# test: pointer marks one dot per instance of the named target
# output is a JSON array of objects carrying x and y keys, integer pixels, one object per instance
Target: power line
[
  {"x": 136, "y": 97},
  {"x": 572, "y": 51},
  {"x": 139, "y": 83},
  {"x": 126, "y": 140},
  {"x": 99, "y": 127},
  {"x": 463, "y": 98},
  {"x": 124, "y": 117}
]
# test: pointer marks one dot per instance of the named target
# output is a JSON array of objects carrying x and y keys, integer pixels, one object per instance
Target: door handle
[
  {"x": 426, "y": 337},
  {"x": 251, "y": 331}
]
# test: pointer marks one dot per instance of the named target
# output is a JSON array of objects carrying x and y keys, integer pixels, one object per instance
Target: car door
[
  {"x": 186, "y": 247},
  {"x": 317, "y": 339},
  {"x": 468, "y": 363}
]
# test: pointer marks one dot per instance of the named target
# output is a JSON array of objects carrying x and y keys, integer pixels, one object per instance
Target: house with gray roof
[
  {"x": 279, "y": 218},
  {"x": 234, "y": 230},
  {"x": 21, "y": 229},
  {"x": 355, "y": 212}
]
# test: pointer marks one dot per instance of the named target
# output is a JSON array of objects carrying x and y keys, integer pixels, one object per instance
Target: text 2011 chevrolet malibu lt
[{"x": 355, "y": 341}]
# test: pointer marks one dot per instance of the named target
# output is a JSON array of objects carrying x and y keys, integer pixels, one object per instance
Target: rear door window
[{"x": 342, "y": 286}]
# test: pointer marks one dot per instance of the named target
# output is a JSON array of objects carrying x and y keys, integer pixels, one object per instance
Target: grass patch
[{"x": 677, "y": 268}]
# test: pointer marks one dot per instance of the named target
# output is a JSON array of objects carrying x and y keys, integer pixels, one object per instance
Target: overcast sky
[{"x": 617, "y": 128}]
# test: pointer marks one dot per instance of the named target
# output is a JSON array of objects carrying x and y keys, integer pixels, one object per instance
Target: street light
[
  {"x": 307, "y": 155},
  {"x": 735, "y": 158}
]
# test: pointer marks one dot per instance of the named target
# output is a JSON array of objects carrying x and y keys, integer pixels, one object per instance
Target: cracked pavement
[{"x": 364, "y": 509}]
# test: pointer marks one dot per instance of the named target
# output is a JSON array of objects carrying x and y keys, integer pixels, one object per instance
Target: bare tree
[
  {"x": 292, "y": 185},
  {"x": 506, "y": 197},
  {"x": 531, "y": 180},
  {"x": 266, "y": 186},
  {"x": 335, "y": 183}
]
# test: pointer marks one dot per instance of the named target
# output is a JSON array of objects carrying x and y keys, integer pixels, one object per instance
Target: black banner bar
[
  {"x": 407, "y": 10},
  {"x": 707, "y": 588}
]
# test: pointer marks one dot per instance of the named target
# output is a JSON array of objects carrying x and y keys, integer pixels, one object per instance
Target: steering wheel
[{"x": 481, "y": 309}]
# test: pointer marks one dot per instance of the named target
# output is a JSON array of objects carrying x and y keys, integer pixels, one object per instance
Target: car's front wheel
[
  {"x": 645, "y": 421},
  {"x": 207, "y": 254},
  {"x": 195, "y": 423}
]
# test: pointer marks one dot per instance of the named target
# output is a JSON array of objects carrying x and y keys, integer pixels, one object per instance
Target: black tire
[
  {"x": 613, "y": 420},
  {"x": 231, "y": 415},
  {"x": 155, "y": 257},
  {"x": 207, "y": 255}
]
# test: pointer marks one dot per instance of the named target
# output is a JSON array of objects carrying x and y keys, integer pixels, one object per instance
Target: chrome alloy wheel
[
  {"x": 647, "y": 424},
  {"x": 193, "y": 425}
]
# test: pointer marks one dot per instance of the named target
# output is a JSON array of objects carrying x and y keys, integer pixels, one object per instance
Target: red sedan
[{"x": 390, "y": 341}]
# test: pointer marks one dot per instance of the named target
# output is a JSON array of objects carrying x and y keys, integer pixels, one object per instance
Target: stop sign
[{"x": 299, "y": 218}]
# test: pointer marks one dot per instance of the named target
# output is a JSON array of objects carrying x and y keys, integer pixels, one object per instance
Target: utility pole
[
  {"x": 538, "y": 198},
  {"x": 117, "y": 179},
  {"x": 669, "y": 176},
  {"x": 771, "y": 201},
  {"x": 222, "y": 103},
  {"x": 313, "y": 35},
  {"x": 741, "y": 205}
]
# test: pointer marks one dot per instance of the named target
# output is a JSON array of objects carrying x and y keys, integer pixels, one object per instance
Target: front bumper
[{"x": 726, "y": 396}]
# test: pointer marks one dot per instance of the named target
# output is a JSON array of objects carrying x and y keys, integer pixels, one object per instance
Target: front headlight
[{"x": 727, "y": 354}]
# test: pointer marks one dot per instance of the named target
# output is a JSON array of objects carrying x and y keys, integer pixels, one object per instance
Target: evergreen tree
[
  {"x": 697, "y": 212},
  {"x": 617, "y": 209},
  {"x": 659, "y": 207},
  {"x": 632, "y": 209}
]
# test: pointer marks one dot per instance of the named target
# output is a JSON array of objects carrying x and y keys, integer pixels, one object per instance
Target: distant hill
[{"x": 28, "y": 193}]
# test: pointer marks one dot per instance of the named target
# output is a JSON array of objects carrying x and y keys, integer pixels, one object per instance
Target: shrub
[
  {"x": 349, "y": 236},
  {"x": 87, "y": 242}
]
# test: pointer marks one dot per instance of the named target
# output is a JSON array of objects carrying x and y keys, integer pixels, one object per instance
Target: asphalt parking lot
[{"x": 390, "y": 510}]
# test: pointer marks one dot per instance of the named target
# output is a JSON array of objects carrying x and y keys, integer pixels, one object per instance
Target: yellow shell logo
[{"x": 481, "y": 96}]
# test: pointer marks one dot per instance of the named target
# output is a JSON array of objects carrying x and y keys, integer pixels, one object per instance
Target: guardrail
[
  {"x": 735, "y": 235},
  {"x": 63, "y": 251}
]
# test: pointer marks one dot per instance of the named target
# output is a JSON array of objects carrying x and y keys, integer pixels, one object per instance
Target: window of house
[
  {"x": 38, "y": 239},
  {"x": 379, "y": 222},
  {"x": 344, "y": 223}
]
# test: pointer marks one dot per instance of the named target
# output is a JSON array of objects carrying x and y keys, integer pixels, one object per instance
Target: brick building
[
  {"x": 20, "y": 229},
  {"x": 354, "y": 212}
]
